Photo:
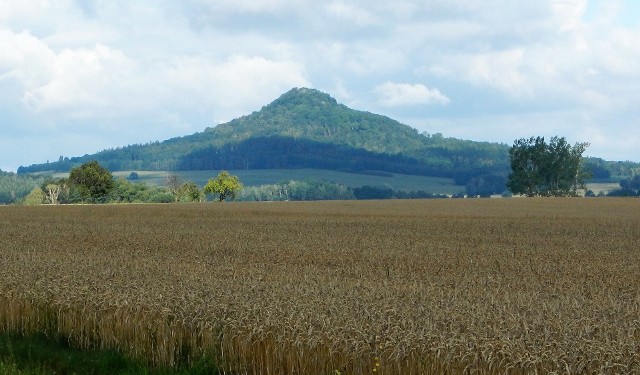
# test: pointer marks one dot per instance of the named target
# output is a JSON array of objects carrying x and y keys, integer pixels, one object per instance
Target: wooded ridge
[{"x": 306, "y": 128}]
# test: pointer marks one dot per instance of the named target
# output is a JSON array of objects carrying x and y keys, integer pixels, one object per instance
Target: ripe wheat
[{"x": 514, "y": 286}]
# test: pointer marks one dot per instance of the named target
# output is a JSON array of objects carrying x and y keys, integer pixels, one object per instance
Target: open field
[
  {"x": 435, "y": 185},
  {"x": 486, "y": 286},
  {"x": 603, "y": 187}
]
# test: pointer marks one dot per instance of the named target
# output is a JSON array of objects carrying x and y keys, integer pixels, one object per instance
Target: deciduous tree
[
  {"x": 92, "y": 181},
  {"x": 190, "y": 192},
  {"x": 224, "y": 185},
  {"x": 541, "y": 169}
]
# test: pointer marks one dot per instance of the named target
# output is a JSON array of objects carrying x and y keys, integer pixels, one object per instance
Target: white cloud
[
  {"x": 501, "y": 69},
  {"x": 25, "y": 59},
  {"x": 232, "y": 87},
  {"x": 83, "y": 80},
  {"x": 404, "y": 94}
]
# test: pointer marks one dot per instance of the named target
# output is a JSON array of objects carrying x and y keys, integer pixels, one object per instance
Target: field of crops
[
  {"x": 490, "y": 286},
  {"x": 257, "y": 177}
]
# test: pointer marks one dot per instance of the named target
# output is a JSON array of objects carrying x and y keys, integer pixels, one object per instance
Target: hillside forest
[{"x": 305, "y": 128}]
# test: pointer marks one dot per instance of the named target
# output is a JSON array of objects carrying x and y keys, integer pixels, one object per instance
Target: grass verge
[{"x": 38, "y": 354}]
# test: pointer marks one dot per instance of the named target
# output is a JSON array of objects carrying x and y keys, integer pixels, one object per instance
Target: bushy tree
[
  {"x": 541, "y": 169},
  {"x": 224, "y": 185},
  {"x": 35, "y": 197},
  {"x": 92, "y": 181},
  {"x": 190, "y": 192}
]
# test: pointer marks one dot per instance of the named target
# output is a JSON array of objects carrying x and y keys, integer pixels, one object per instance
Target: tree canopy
[
  {"x": 546, "y": 169},
  {"x": 224, "y": 185},
  {"x": 92, "y": 181}
]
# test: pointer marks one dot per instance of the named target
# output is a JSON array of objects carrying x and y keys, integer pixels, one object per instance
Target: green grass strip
[{"x": 38, "y": 354}]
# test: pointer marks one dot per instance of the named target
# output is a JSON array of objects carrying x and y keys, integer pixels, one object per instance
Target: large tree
[
  {"x": 92, "y": 181},
  {"x": 224, "y": 185},
  {"x": 541, "y": 169}
]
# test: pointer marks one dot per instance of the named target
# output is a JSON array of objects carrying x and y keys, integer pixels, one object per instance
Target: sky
[{"x": 80, "y": 76}]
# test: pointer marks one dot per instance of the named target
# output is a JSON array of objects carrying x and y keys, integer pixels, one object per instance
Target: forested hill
[{"x": 305, "y": 128}]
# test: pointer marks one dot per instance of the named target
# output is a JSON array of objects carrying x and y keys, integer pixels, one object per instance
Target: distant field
[
  {"x": 604, "y": 187},
  {"x": 491, "y": 286},
  {"x": 436, "y": 185}
]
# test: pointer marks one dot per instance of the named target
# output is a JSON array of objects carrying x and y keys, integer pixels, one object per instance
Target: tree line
[
  {"x": 92, "y": 183},
  {"x": 538, "y": 168},
  {"x": 14, "y": 187}
]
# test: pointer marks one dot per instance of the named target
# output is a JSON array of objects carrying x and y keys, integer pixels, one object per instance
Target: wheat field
[{"x": 493, "y": 286}]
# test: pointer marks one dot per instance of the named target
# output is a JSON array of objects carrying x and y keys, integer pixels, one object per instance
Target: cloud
[
  {"x": 233, "y": 87},
  {"x": 351, "y": 13},
  {"x": 122, "y": 72},
  {"x": 404, "y": 94},
  {"x": 83, "y": 80}
]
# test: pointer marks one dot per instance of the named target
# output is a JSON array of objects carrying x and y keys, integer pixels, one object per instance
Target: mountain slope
[
  {"x": 305, "y": 128},
  {"x": 313, "y": 115}
]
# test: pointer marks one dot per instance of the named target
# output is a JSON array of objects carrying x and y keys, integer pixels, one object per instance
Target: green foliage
[
  {"x": 38, "y": 354},
  {"x": 190, "y": 192},
  {"x": 314, "y": 190},
  {"x": 306, "y": 128},
  {"x": 14, "y": 187},
  {"x": 127, "y": 192},
  {"x": 623, "y": 193},
  {"x": 628, "y": 188},
  {"x": 224, "y": 185},
  {"x": 385, "y": 192},
  {"x": 541, "y": 169},
  {"x": 56, "y": 191},
  {"x": 373, "y": 192},
  {"x": 35, "y": 197},
  {"x": 92, "y": 181},
  {"x": 611, "y": 170},
  {"x": 485, "y": 186},
  {"x": 307, "y": 190},
  {"x": 631, "y": 184}
]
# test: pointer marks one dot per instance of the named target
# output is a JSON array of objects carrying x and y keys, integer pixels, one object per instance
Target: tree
[
  {"x": 631, "y": 184},
  {"x": 190, "y": 192},
  {"x": 173, "y": 184},
  {"x": 92, "y": 181},
  {"x": 52, "y": 192},
  {"x": 224, "y": 185},
  {"x": 35, "y": 197},
  {"x": 55, "y": 190},
  {"x": 485, "y": 185},
  {"x": 541, "y": 169}
]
